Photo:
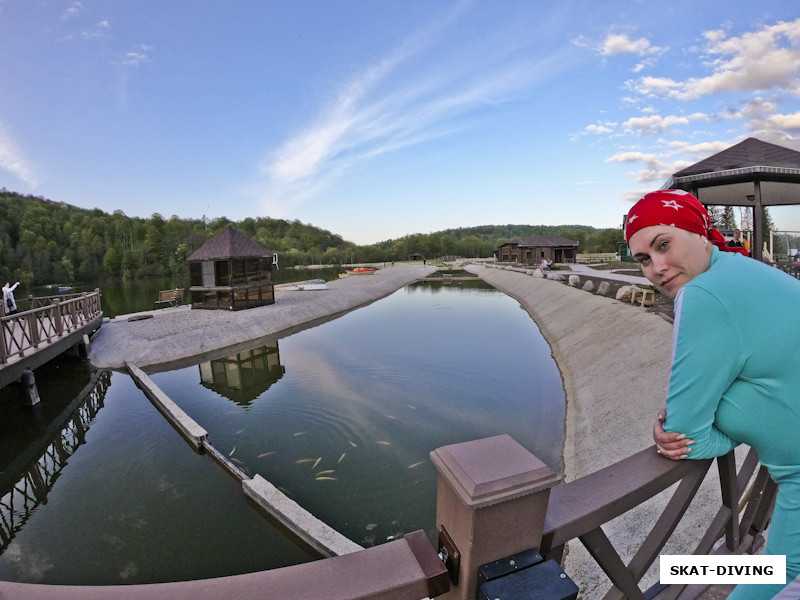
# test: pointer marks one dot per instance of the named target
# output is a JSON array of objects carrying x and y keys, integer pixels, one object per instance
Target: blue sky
[{"x": 380, "y": 118}]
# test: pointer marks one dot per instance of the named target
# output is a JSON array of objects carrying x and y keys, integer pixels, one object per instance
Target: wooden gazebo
[
  {"x": 752, "y": 173},
  {"x": 231, "y": 272},
  {"x": 244, "y": 376}
]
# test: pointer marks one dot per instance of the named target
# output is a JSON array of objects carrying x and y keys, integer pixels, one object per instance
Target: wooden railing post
[
  {"x": 5, "y": 332},
  {"x": 55, "y": 315},
  {"x": 491, "y": 504}
]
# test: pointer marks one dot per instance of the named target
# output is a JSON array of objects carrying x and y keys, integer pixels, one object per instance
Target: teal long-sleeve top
[
  {"x": 735, "y": 378},
  {"x": 735, "y": 375}
]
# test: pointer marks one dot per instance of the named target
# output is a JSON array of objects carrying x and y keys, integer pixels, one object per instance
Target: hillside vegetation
[{"x": 43, "y": 241}]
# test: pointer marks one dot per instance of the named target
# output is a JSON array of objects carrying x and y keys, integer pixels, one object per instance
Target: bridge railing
[
  {"x": 49, "y": 319},
  {"x": 578, "y": 510}
]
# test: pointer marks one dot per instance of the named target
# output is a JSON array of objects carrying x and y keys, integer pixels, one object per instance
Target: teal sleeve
[{"x": 706, "y": 360}]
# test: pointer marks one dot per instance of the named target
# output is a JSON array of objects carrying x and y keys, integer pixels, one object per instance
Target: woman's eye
[{"x": 663, "y": 245}]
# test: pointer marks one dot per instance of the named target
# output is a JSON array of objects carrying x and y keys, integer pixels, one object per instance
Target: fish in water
[
  {"x": 316, "y": 463},
  {"x": 416, "y": 464},
  {"x": 263, "y": 454},
  {"x": 326, "y": 478},
  {"x": 232, "y": 451},
  {"x": 327, "y": 472},
  {"x": 341, "y": 458},
  {"x": 382, "y": 443}
]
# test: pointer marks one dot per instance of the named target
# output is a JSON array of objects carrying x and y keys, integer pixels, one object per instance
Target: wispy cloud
[
  {"x": 420, "y": 91},
  {"x": 13, "y": 161},
  {"x": 99, "y": 31},
  {"x": 136, "y": 56},
  {"x": 73, "y": 10}
]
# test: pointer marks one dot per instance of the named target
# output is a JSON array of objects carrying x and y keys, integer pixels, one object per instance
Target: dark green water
[
  {"x": 342, "y": 417},
  {"x": 125, "y": 297}
]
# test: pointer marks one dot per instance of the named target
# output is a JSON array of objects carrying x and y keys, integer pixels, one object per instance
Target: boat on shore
[{"x": 361, "y": 271}]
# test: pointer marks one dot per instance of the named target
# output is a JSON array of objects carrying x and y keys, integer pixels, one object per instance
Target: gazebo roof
[
  {"x": 229, "y": 243},
  {"x": 752, "y": 173},
  {"x": 748, "y": 153},
  {"x": 736, "y": 168}
]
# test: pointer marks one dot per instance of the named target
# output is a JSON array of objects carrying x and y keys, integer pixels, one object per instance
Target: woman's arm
[{"x": 707, "y": 357}]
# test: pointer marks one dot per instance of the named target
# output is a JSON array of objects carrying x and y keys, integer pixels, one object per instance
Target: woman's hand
[{"x": 672, "y": 445}]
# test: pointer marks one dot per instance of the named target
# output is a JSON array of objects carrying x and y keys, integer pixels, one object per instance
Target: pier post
[
  {"x": 491, "y": 503},
  {"x": 27, "y": 388}
]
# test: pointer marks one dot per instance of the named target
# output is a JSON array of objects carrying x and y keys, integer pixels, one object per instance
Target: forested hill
[{"x": 42, "y": 241}]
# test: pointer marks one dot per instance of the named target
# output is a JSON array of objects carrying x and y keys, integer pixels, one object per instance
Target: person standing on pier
[
  {"x": 8, "y": 298},
  {"x": 729, "y": 384}
]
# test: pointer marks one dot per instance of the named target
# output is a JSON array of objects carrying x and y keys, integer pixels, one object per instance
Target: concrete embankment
[{"x": 614, "y": 360}]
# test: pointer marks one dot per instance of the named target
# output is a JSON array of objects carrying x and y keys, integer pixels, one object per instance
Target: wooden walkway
[{"x": 51, "y": 326}]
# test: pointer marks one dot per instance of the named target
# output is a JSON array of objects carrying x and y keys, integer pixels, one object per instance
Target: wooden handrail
[
  {"x": 404, "y": 569},
  {"x": 578, "y": 509},
  {"x": 62, "y": 315}
]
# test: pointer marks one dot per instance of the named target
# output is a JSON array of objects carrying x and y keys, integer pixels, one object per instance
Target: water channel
[{"x": 341, "y": 417}]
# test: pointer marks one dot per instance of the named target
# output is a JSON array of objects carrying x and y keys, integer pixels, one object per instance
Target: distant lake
[{"x": 341, "y": 417}]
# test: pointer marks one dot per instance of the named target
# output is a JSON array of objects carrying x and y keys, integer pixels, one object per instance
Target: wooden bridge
[{"x": 51, "y": 326}]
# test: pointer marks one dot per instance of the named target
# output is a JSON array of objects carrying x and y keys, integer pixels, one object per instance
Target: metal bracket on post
[
  {"x": 449, "y": 554},
  {"x": 525, "y": 576}
]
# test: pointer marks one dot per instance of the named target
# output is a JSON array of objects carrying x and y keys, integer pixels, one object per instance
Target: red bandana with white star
[{"x": 674, "y": 208}]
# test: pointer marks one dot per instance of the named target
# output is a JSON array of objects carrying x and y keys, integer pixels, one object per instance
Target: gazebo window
[{"x": 222, "y": 273}]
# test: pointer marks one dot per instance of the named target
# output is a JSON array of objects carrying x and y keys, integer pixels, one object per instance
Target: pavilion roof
[
  {"x": 751, "y": 152},
  {"x": 230, "y": 243}
]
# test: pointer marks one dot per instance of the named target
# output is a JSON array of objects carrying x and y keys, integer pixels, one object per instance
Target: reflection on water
[
  {"x": 342, "y": 419},
  {"x": 28, "y": 478},
  {"x": 243, "y": 377}
]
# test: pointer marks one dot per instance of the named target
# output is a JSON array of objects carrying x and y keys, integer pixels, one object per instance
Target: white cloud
[
  {"x": 12, "y": 160},
  {"x": 620, "y": 43},
  {"x": 73, "y": 10},
  {"x": 101, "y": 30},
  {"x": 655, "y": 170},
  {"x": 653, "y": 124},
  {"x": 598, "y": 129},
  {"x": 767, "y": 59},
  {"x": 140, "y": 54}
]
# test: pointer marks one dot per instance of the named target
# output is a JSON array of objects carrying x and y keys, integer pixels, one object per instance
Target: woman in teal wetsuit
[{"x": 732, "y": 378}]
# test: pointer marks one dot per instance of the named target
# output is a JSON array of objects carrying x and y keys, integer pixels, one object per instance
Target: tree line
[{"x": 44, "y": 241}]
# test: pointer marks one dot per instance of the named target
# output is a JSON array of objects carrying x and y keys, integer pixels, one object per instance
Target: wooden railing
[
  {"x": 577, "y": 510},
  {"x": 49, "y": 318},
  {"x": 791, "y": 268}
]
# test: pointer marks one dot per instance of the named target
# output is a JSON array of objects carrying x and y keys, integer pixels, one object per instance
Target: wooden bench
[
  {"x": 647, "y": 297},
  {"x": 169, "y": 298}
]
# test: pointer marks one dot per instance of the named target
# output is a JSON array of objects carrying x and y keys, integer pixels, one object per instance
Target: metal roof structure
[
  {"x": 752, "y": 173},
  {"x": 229, "y": 243}
]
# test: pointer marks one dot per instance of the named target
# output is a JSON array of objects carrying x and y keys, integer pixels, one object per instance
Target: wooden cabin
[
  {"x": 231, "y": 272},
  {"x": 548, "y": 247}
]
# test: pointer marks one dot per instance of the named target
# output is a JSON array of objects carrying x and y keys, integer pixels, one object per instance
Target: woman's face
[{"x": 670, "y": 257}]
